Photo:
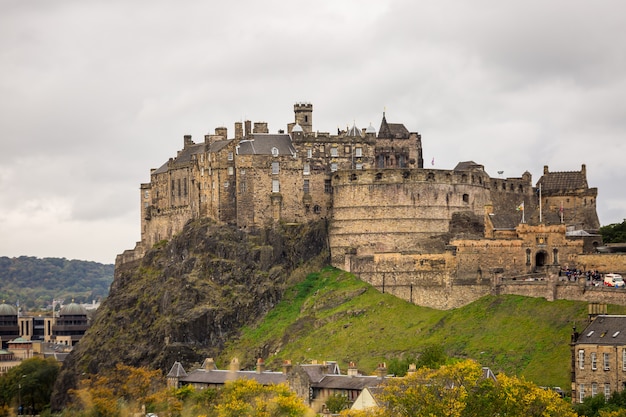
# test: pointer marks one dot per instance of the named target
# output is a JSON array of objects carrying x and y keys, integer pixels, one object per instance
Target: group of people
[{"x": 592, "y": 277}]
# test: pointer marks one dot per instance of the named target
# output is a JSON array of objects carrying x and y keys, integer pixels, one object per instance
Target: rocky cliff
[{"x": 187, "y": 297}]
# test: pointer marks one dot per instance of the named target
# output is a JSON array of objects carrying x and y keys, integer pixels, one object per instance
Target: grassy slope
[{"x": 333, "y": 316}]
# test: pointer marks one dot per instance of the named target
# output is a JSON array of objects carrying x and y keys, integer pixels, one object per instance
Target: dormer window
[
  {"x": 334, "y": 152},
  {"x": 274, "y": 151}
]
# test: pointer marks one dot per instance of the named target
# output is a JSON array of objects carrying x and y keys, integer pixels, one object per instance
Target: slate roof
[
  {"x": 262, "y": 144},
  {"x": 177, "y": 371},
  {"x": 605, "y": 330},
  {"x": 348, "y": 382},
  {"x": 468, "y": 166},
  {"x": 561, "y": 181},
  {"x": 392, "y": 130},
  {"x": 219, "y": 377}
]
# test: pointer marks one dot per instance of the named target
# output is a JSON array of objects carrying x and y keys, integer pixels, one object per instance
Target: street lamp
[{"x": 19, "y": 396}]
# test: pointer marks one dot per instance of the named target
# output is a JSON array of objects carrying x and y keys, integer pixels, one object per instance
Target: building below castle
[{"x": 417, "y": 232}]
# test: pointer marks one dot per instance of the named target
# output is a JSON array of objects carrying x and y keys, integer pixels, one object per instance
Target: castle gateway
[{"x": 438, "y": 238}]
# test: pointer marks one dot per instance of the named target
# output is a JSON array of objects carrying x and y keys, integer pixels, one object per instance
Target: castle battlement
[{"x": 389, "y": 217}]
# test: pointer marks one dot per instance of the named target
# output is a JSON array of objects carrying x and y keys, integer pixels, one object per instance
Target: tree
[
  {"x": 614, "y": 233},
  {"x": 246, "y": 397},
  {"x": 30, "y": 383},
  {"x": 460, "y": 390}
]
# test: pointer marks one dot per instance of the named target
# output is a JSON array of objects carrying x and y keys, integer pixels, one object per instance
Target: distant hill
[{"x": 35, "y": 282}]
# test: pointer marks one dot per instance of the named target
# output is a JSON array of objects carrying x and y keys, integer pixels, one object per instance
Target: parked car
[{"x": 614, "y": 280}]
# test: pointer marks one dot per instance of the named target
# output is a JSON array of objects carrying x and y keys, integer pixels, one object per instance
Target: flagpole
[{"x": 539, "y": 202}]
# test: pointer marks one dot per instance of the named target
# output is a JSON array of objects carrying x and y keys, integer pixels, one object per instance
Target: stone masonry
[{"x": 439, "y": 238}]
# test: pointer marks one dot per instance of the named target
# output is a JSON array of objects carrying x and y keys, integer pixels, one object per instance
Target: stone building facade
[
  {"x": 418, "y": 232},
  {"x": 599, "y": 358}
]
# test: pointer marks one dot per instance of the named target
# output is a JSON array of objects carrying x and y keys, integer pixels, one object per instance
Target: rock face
[{"x": 186, "y": 298}]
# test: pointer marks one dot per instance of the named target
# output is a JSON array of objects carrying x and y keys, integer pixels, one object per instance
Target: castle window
[
  {"x": 594, "y": 361},
  {"x": 242, "y": 187},
  {"x": 230, "y": 156},
  {"x": 317, "y": 209},
  {"x": 358, "y": 165},
  {"x": 431, "y": 177},
  {"x": 594, "y": 389},
  {"x": 328, "y": 187},
  {"x": 242, "y": 172},
  {"x": 202, "y": 172},
  {"x": 306, "y": 170},
  {"x": 358, "y": 152},
  {"x": 179, "y": 188},
  {"x": 379, "y": 176},
  {"x": 504, "y": 186},
  {"x": 231, "y": 170},
  {"x": 173, "y": 187},
  {"x": 322, "y": 151},
  {"x": 275, "y": 186},
  {"x": 146, "y": 194},
  {"x": 606, "y": 361},
  {"x": 334, "y": 152},
  {"x": 346, "y": 149},
  {"x": 555, "y": 255},
  {"x": 607, "y": 390},
  {"x": 306, "y": 119},
  {"x": 275, "y": 168},
  {"x": 353, "y": 177},
  {"x": 185, "y": 186},
  {"x": 466, "y": 198},
  {"x": 274, "y": 151},
  {"x": 528, "y": 262},
  {"x": 464, "y": 178},
  {"x": 309, "y": 153},
  {"x": 305, "y": 186},
  {"x": 226, "y": 184},
  {"x": 333, "y": 166}
]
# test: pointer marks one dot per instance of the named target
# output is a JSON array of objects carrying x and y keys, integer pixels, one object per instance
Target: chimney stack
[
  {"x": 287, "y": 366},
  {"x": 209, "y": 364},
  {"x": 238, "y": 130},
  {"x": 352, "y": 369},
  {"x": 381, "y": 371},
  {"x": 260, "y": 365}
]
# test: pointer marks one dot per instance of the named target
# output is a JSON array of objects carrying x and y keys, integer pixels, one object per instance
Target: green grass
[{"x": 331, "y": 315}]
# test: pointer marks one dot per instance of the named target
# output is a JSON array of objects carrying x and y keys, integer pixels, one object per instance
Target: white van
[{"x": 613, "y": 280}]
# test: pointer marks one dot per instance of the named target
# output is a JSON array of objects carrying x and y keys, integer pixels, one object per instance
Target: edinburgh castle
[{"x": 438, "y": 238}]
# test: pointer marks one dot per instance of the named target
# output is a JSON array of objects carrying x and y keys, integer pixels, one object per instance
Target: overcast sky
[{"x": 95, "y": 93}]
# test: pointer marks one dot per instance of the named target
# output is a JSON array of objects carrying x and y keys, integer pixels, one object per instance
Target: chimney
[
  {"x": 260, "y": 365},
  {"x": 287, "y": 366},
  {"x": 412, "y": 369},
  {"x": 352, "y": 369},
  {"x": 381, "y": 371},
  {"x": 260, "y": 127},
  {"x": 222, "y": 131},
  {"x": 187, "y": 141},
  {"x": 545, "y": 170},
  {"x": 234, "y": 365},
  {"x": 238, "y": 130},
  {"x": 248, "y": 127},
  {"x": 209, "y": 364}
]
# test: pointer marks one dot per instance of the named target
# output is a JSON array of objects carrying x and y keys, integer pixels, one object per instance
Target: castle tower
[{"x": 304, "y": 116}]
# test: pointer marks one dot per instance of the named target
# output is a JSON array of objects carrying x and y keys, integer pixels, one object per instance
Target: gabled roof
[
  {"x": 605, "y": 330},
  {"x": 177, "y": 371},
  {"x": 392, "y": 130},
  {"x": 562, "y": 181},
  {"x": 263, "y": 143},
  {"x": 468, "y": 166}
]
